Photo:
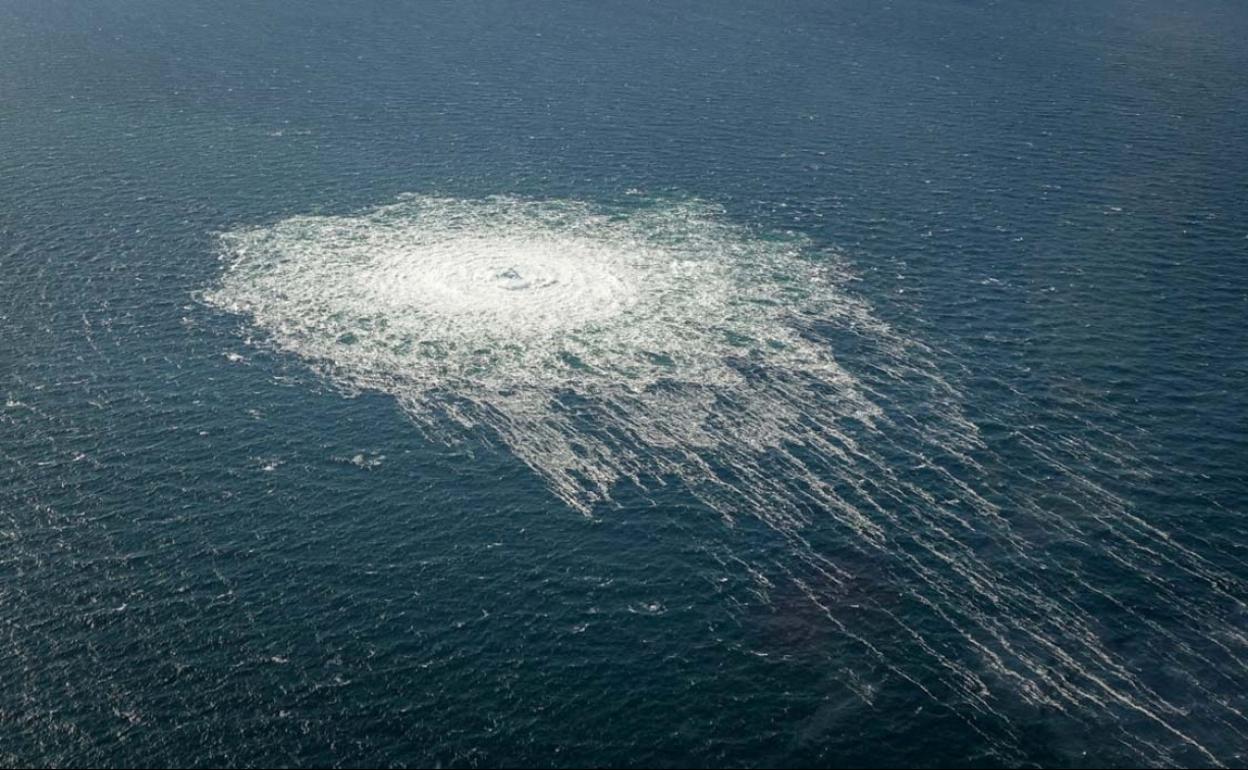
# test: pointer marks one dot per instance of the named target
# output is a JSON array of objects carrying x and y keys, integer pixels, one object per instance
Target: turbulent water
[
  {"x": 657, "y": 342},
  {"x": 598, "y": 345},
  {"x": 663, "y": 385}
]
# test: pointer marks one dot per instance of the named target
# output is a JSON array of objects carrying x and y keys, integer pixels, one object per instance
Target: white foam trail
[{"x": 660, "y": 342}]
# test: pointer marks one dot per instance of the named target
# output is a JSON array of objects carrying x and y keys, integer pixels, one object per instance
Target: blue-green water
[{"x": 860, "y": 384}]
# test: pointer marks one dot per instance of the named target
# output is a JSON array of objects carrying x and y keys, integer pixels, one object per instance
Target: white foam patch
[
  {"x": 497, "y": 312},
  {"x": 660, "y": 342}
]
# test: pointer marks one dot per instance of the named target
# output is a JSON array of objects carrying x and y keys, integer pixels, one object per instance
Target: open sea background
[{"x": 211, "y": 555}]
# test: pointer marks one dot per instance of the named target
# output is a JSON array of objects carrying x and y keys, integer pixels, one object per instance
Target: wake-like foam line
[{"x": 658, "y": 343}]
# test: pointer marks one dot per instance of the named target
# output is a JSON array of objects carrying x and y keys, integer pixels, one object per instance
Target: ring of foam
[{"x": 507, "y": 293}]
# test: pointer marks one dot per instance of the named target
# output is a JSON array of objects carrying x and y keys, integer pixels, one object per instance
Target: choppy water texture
[{"x": 683, "y": 385}]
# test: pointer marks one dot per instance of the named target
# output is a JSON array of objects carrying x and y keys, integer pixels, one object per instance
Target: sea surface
[{"x": 624, "y": 383}]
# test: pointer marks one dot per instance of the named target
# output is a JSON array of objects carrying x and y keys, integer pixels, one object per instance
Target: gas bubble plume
[{"x": 658, "y": 343}]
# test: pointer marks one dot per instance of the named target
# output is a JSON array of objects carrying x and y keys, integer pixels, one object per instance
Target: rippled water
[{"x": 697, "y": 384}]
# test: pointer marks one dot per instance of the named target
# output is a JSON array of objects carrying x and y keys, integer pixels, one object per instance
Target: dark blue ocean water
[{"x": 209, "y": 554}]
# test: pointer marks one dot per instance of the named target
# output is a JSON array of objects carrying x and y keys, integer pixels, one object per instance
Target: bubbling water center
[{"x": 505, "y": 292}]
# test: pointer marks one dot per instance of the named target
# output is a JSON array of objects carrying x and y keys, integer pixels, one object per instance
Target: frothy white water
[
  {"x": 661, "y": 342},
  {"x": 498, "y": 312}
]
